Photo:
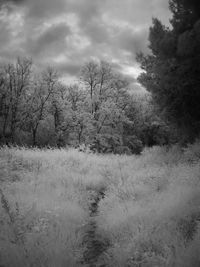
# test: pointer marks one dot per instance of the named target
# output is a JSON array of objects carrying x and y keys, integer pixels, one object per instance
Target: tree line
[{"x": 37, "y": 109}]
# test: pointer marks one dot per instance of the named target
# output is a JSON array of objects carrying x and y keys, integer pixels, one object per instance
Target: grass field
[{"x": 149, "y": 215}]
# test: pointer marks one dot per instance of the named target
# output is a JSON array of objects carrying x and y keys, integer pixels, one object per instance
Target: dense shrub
[{"x": 134, "y": 144}]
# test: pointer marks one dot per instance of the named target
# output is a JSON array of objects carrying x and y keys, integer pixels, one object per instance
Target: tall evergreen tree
[{"x": 172, "y": 70}]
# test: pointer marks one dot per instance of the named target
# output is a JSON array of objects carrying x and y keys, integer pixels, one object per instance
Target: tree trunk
[
  {"x": 4, "y": 127},
  {"x": 34, "y": 132},
  {"x": 91, "y": 96},
  {"x": 12, "y": 132},
  {"x": 80, "y": 134}
]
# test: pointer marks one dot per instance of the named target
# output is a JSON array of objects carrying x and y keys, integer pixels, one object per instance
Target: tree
[
  {"x": 105, "y": 77},
  {"x": 4, "y": 104},
  {"x": 40, "y": 95},
  {"x": 15, "y": 81},
  {"x": 81, "y": 116},
  {"x": 172, "y": 72},
  {"x": 90, "y": 77},
  {"x": 96, "y": 77}
]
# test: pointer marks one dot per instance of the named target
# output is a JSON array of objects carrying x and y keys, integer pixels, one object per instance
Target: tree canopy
[
  {"x": 172, "y": 69},
  {"x": 100, "y": 112}
]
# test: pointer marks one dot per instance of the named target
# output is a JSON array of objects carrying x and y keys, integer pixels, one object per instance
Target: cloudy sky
[{"x": 67, "y": 33}]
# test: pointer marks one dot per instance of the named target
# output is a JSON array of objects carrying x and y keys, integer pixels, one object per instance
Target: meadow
[{"x": 146, "y": 208}]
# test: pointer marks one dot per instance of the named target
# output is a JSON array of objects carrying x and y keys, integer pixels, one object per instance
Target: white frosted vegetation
[
  {"x": 150, "y": 213},
  {"x": 153, "y": 217}
]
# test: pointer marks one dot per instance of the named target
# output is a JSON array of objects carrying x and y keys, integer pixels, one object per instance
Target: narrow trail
[{"x": 95, "y": 244}]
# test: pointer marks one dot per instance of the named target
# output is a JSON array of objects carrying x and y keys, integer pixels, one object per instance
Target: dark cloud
[
  {"x": 138, "y": 12},
  {"x": 53, "y": 38},
  {"x": 97, "y": 31},
  {"x": 41, "y": 9},
  {"x": 12, "y": 1},
  {"x": 86, "y": 9},
  {"x": 66, "y": 33},
  {"x": 68, "y": 68},
  {"x": 132, "y": 41},
  {"x": 8, "y": 3},
  {"x": 5, "y": 34}
]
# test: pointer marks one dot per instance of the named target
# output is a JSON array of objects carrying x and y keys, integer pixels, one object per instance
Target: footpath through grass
[{"x": 52, "y": 211}]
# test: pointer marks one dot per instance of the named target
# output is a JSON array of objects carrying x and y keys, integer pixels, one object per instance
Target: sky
[{"x": 68, "y": 33}]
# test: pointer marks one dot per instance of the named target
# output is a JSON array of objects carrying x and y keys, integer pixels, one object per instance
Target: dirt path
[{"x": 94, "y": 243}]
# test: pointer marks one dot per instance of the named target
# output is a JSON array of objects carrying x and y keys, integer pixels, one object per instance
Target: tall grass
[
  {"x": 153, "y": 216},
  {"x": 150, "y": 212},
  {"x": 42, "y": 208}
]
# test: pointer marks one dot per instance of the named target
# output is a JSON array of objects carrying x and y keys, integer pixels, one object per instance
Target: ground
[{"x": 69, "y": 208}]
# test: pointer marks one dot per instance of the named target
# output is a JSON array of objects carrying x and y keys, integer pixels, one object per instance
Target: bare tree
[
  {"x": 90, "y": 77},
  {"x": 40, "y": 95},
  {"x": 75, "y": 95},
  {"x": 105, "y": 77},
  {"x": 15, "y": 81}
]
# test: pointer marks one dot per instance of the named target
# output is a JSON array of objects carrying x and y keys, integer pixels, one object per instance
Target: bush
[
  {"x": 133, "y": 144},
  {"x": 106, "y": 143},
  {"x": 122, "y": 150}
]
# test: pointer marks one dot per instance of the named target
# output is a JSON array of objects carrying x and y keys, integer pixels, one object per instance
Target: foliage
[
  {"x": 133, "y": 144},
  {"x": 149, "y": 214},
  {"x": 106, "y": 143},
  {"x": 172, "y": 69},
  {"x": 15, "y": 80},
  {"x": 150, "y": 211},
  {"x": 39, "y": 110}
]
